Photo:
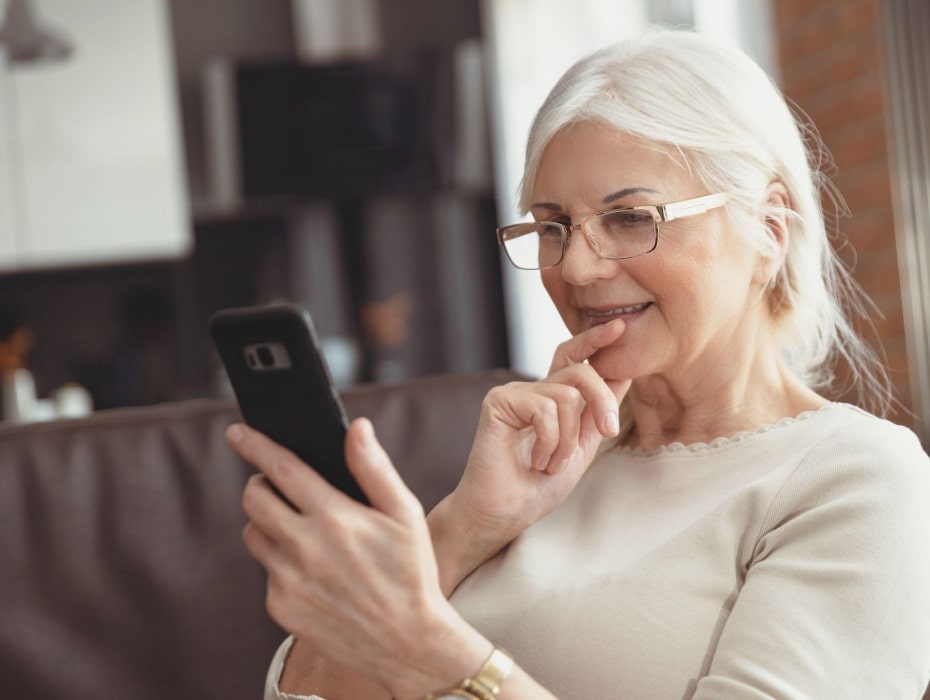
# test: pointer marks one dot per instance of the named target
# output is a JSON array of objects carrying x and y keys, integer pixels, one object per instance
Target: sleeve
[
  {"x": 836, "y": 598},
  {"x": 272, "y": 691}
]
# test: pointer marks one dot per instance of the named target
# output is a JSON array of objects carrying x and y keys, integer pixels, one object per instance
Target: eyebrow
[
  {"x": 620, "y": 194},
  {"x": 609, "y": 199}
]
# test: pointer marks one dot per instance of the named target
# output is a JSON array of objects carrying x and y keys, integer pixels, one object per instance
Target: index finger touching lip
[{"x": 580, "y": 347}]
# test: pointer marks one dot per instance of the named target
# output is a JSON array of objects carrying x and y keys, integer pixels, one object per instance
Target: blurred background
[{"x": 162, "y": 159}]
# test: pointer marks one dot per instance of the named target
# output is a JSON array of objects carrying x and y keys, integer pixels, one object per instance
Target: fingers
[
  {"x": 269, "y": 535},
  {"x": 553, "y": 413},
  {"x": 376, "y": 475},
  {"x": 619, "y": 389},
  {"x": 297, "y": 482},
  {"x": 579, "y": 348},
  {"x": 268, "y": 513},
  {"x": 601, "y": 399},
  {"x": 258, "y": 543},
  {"x": 573, "y": 407},
  {"x": 310, "y": 492}
]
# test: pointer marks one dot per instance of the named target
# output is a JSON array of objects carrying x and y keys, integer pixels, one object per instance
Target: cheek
[
  {"x": 689, "y": 280},
  {"x": 558, "y": 292},
  {"x": 552, "y": 281}
]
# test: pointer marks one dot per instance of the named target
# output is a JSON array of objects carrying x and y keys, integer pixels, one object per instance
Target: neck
[{"x": 721, "y": 395}]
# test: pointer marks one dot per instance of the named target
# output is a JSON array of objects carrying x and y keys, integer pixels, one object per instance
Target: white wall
[{"x": 93, "y": 142}]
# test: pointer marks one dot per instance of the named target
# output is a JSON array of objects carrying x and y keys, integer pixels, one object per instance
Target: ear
[{"x": 777, "y": 203}]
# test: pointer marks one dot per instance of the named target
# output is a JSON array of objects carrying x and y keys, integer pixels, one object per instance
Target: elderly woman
[{"x": 674, "y": 511}]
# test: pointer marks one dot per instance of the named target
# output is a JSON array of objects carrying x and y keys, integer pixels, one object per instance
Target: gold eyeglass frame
[{"x": 660, "y": 213}]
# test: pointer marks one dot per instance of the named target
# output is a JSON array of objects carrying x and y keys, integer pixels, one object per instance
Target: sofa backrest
[{"x": 122, "y": 571}]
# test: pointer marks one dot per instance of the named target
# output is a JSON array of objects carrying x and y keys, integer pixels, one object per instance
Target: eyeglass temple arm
[{"x": 690, "y": 207}]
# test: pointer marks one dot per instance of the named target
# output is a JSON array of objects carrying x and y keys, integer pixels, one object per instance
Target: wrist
[
  {"x": 485, "y": 684},
  {"x": 461, "y": 542},
  {"x": 449, "y": 651}
]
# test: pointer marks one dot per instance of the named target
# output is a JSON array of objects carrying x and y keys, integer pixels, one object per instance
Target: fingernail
[{"x": 612, "y": 423}]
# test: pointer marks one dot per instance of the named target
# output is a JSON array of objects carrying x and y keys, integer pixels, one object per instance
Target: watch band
[{"x": 484, "y": 685}]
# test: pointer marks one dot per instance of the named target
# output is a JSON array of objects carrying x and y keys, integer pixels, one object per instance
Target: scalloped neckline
[{"x": 721, "y": 442}]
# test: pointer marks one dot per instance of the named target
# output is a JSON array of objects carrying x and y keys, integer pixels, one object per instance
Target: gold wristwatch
[{"x": 485, "y": 685}]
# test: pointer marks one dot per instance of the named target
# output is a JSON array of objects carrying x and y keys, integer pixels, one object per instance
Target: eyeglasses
[{"x": 614, "y": 235}]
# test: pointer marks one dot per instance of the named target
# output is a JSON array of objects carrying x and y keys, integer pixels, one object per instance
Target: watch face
[{"x": 457, "y": 695}]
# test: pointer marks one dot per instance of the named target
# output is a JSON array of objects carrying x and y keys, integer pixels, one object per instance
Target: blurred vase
[
  {"x": 19, "y": 395},
  {"x": 21, "y": 405}
]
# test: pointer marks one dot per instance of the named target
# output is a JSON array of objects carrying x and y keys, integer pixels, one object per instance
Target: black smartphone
[{"x": 278, "y": 373}]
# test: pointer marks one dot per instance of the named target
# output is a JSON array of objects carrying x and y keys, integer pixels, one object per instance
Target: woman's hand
[
  {"x": 358, "y": 584},
  {"x": 534, "y": 442}
]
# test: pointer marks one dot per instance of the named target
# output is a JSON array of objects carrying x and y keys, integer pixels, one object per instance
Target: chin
[{"x": 610, "y": 363}]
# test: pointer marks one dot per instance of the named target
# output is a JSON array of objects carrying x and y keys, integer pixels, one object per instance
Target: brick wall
[{"x": 831, "y": 60}]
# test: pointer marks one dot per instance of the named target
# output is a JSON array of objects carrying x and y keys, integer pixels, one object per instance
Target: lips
[{"x": 600, "y": 316}]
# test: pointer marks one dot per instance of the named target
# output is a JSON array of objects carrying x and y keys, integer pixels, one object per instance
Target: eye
[
  {"x": 626, "y": 221},
  {"x": 630, "y": 217},
  {"x": 549, "y": 233}
]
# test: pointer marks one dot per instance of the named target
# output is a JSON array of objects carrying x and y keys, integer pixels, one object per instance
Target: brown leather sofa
[{"x": 122, "y": 570}]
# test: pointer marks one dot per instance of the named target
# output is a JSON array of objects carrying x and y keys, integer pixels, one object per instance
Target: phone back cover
[{"x": 296, "y": 407}]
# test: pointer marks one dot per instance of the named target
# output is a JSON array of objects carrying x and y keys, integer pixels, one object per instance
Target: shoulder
[
  {"x": 859, "y": 467},
  {"x": 842, "y": 546},
  {"x": 852, "y": 419},
  {"x": 867, "y": 444},
  {"x": 850, "y": 442}
]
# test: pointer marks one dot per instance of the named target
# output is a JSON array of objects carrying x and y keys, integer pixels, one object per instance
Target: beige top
[{"x": 790, "y": 562}]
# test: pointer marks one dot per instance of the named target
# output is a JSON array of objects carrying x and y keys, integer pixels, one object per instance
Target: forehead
[{"x": 587, "y": 162}]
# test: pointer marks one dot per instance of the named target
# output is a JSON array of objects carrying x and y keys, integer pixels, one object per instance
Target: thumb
[{"x": 376, "y": 475}]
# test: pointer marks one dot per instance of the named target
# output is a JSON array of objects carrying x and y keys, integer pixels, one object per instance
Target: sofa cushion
[{"x": 123, "y": 573}]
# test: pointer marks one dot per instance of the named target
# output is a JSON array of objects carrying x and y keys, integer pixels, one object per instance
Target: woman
[{"x": 686, "y": 516}]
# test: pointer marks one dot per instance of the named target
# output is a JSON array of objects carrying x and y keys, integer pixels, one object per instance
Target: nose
[{"x": 581, "y": 264}]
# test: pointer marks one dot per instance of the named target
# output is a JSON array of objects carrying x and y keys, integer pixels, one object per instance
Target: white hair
[{"x": 727, "y": 120}]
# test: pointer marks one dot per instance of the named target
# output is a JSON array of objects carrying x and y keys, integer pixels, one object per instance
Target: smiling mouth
[{"x": 596, "y": 318}]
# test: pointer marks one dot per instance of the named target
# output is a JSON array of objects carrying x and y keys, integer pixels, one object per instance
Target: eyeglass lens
[{"x": 619, "y": 234}]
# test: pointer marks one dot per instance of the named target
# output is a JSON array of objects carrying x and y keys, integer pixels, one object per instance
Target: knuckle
[
  {"x": 414, "y": 506},
  {"x": 305, "y": 560},
  {"x": 583, "y": 370},
  {"x": 497, "y": 394},
  {"x": 275, "y": 606},
  {"x": 491, "y": 399},
  {"x": 548, "y": 409},
  {"x": 328, "y": 519},
  {"x": 303, "y": 551},
  {"x": 284, "y": 587},
  {"x": 566, "y": 347},
  {"x": 249, "y": 494},
  {"x": 336, "y": 530},
  {"x": 248, "y": 536},
  {"x": 567, "y": 395},
  {"x": 282, "y": 465},
  {"x": 340, "y": 539}
]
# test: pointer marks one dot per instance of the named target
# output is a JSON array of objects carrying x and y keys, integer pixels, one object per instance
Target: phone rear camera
[{"x": 265, "y": 356}]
